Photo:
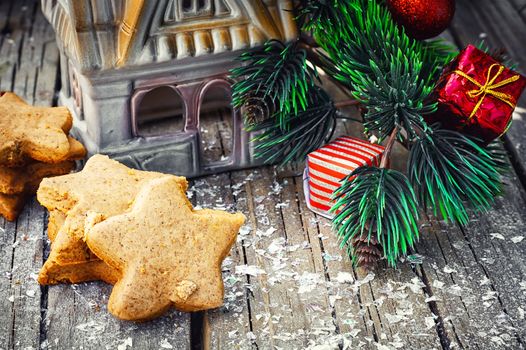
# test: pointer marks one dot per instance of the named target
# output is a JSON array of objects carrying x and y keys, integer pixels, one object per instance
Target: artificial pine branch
[
  {"x": 274, "y": 82},
  {"x": 393, "y": 76},
  {"x": 452, "y": 173},
  {"x": 500, "y": 157},
  {"x": 382, "y": 200},
  {"x": 307, "y": 131},
  {"x": 390, "y": 73},
  {"x": 376, "y": 206}
]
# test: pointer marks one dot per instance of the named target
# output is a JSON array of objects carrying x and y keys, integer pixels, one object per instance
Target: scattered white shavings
[
  {"x": 497, "y": 235},
  {"x": 455, "y": 290},
  {"x": 281, "y": 205},
  {"x": 490, "y": 295},
  {"x": 251, "y": 270},
  {"x": 277, "y": 188},
  {"x": 92, "y": 327},
  {"x": 31, "y": 293},
  {"x": 416, "y": 285},
  {"x": 34, "y": 276},
  {"x": 233, "y": 334},
  {"x": 365, "y": 280},
  {"x": 308, "y": 282},
  {"x": 431, "y": 298},
  {"x": 251, "y": 337},
  {"x": 277, "y": 245},
  {"x": 499, "y": 341},
  {"x": 245, "y": 230},
  {"x": 165, "y": 344},
  {"x": 517, "y": 239},
  {"x": 523, "y": 284},
  {"x": 266, "y": 233},
  {"x": 11, "y": 299},
  {"x": 344, "y": 277},
  {"x": 521, "y": 312},
  {"x": 128, "y": 342},
  {"x": 430, "y": 322},
  {"x": 448, "y": 269},
  {"x": 485, "y": 281},
  {"x": 328, "y": 257},
  {"x": 314, "y": 221},
  {"x": 392, "y": 319},
  {"x": 438, "y": 284}
]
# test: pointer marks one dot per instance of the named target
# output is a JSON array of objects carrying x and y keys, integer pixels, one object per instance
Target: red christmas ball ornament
[{"x": 422, "y": 19}]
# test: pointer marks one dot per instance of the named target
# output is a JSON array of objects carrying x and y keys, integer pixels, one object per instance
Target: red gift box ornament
[
  {"x": 489, "y": 87},
  {"x": 327, "y": 166},
  {"x": 477, "y": 95}
]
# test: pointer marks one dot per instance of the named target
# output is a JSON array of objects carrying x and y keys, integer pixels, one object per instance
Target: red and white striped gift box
[{"x": 330, "y": 164}]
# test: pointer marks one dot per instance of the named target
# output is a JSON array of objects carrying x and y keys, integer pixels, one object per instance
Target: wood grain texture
[{"x": 288, "y": 285}]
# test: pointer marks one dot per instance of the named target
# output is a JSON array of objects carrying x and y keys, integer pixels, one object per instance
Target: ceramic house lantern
[{"x": 140, "y": 75}]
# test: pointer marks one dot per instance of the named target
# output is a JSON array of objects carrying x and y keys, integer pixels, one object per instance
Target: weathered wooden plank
[
  {"x": 27, "y": 260},
  {"x": 285, "y": 307},
  {"x": 77, "y": 318},
  {"x": 12, "y": 41},
  {"x": 228, "y": 325},
  {"x": 275, "y": 296},
  {"x": 29, "y": 33},
  {"x": 464, "y": 293},
  {"x": 499, "y": 243},
  {"x": 520, "y": 6},
  {"x": 478, "y": 274},
  {"x": 7, "y": 240},
  {"x": 5, "y": 13}
]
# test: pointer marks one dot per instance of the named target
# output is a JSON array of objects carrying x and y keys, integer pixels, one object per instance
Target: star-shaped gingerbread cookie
[
  {"x": 105, "y": 186},
  {"x": 167, "y": 253},
  {"x": 26, "y": 131}
]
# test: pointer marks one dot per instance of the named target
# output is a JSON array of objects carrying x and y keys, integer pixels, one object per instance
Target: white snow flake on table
[
  {"x": 128, "y": 342},
  {"x": 517, "y": 239},
  {"x": 251, "y": 270}
]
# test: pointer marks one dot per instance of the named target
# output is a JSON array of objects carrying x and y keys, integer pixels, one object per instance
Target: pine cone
[{"x": 366, "y": 252}]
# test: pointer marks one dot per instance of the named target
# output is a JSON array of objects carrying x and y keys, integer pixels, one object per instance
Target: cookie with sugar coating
[{"x": 167, "y": 253}]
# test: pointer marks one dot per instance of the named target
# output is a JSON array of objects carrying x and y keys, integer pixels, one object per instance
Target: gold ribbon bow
[{"x": 489, "y": 87}]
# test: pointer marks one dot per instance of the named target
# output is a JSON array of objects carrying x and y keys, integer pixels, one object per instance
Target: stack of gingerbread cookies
[
  {"x": 137, "y": 230},
  {"x": 34, "y": 144}
]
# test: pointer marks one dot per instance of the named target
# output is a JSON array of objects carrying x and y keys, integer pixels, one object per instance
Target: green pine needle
[
  {"x": 308, "y": 131},
  {"x": 452, "y": 173},
  {"x": 276, "y": 75},
  {"x": 381, "y": 202},
  {"x": 499, "y": 156},
  {"x": 390, "y": 73}
]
